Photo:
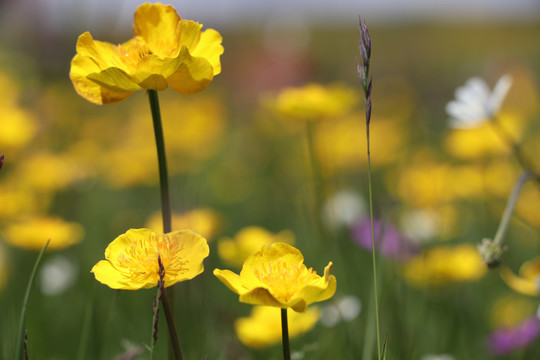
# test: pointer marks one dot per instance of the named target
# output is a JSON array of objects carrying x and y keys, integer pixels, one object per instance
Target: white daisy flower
[{"x": 475, "y": 103}]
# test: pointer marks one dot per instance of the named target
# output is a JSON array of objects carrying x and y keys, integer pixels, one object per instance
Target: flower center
[
  {"x": 140, "y": 258},
  {"x": 133, "y": 51},
  {"x": 285, "y": 279}
]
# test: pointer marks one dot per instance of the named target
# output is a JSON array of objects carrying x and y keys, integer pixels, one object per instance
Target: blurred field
[{"x": 229, "y": 152}]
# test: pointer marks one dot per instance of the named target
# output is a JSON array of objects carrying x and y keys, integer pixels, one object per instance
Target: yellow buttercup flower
[
  {"x": 315, "y": 101},
  {"x": 276, "y": 276},
  {"x": 263, "y": 326},
  {"x": 445, "y": 264},
  {"x": 248, "y": 241},
  {"x": 33, "y": 233},
  {"x": 132, "y": 259},
  {"x": 528, "y": 281},
  {"x": 165, "y": 51}
]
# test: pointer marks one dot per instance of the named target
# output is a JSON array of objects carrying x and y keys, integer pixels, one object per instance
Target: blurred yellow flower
[
  {"x": 528, "y": 281},
  {"x": 528, "y": 205},
  {"x": 204, "y": 221},
  {"x": 341, "y": 144},
  {"x": 314, "y": 101},
  {"x": 132, "y": 259},
  {"x": 33, "y": 233},
  {"x": 17, "y": 200},
  {"x": 483, "y": 141},
  {"x": 445, "y": 264},
  {"x": 56, "y": 171},
  {"x": 248, "y": 241},
  {"x": 509, "y": 311},
  {"x": 18, "y": 125},
  {"x": 276, "y": 276},
  {"x": 263, "y": 326},
  {"x": 165, "y": 51}
]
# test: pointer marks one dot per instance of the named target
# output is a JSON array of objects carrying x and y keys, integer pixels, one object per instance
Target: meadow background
[{"x": 229, "y": 152}]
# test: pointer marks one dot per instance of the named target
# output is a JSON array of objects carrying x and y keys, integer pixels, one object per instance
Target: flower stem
[
  {"x": 169, "y": 316},
  {"x": 163, "y": 180},
  {"x": 162, "y": 161},
  {"x": 285, "y": 335},
  {"x": 21, "y": 331},
  {"x": 510, "y": 205}
]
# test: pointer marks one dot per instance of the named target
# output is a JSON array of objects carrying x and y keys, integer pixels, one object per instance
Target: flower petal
[
  {"x": 81, "y": 67},
  {"x": 194, "y": 250},
  {"x": 193, "y": 75},
  {"x": 158, "y": 25},
  {"x": 107, "y": 274},
  {"x": 118, "y": 245},
  {"x": 231, "y": 280},
  {"x": 210, "y": 48},
  {"x": 115, "y": 80}
]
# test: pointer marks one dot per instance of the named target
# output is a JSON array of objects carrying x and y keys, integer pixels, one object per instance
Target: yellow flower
[
  {"x": 511, "y": 310},
  {"x": 276, "y": 276},
  {"x": 203, "y": 221},
  {"x": 445, "y": 264},
  {"x": 247, "y": 241},
  {"x": 33, "y": 233},
  {"x": 315, "y": 101},
  {"x": 132, "y": 259},
  {"x": 165, "y": 51},
  {"x": 263, "y": 326},
  {"x": 528, "y": 281}
]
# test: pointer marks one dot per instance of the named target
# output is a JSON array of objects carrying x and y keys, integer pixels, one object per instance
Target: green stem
[
  {"x": 20, "y": 332},
  {"x": 510, "y": 205},
  {"x": 285, "y": 335},
  {"x": 163, "y": 177},
  {"x": 169, "y": 316},
  {"x": 375, "y": 291},
  {"x": 85, "y": 333},
  {"x": 162, "y": 161}
]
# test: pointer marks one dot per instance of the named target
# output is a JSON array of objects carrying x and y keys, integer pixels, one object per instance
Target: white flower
[
  {"x": 475, "y": 103},
  {"x": 342, "y": 209},
  {"x": 344, "y": 309},
  {"x": 57, "y": 274},
  {"x": 437, "y": 357}
]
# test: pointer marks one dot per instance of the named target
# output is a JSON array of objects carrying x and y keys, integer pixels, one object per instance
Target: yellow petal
[
  {"x": 107, "y": 274},
  {"x": 158, "y": 25},
  {"x": 519, "y": 284},
  {"x": 231, "y": 280},
  {"x": 115, "y": 80},
  {"x": 210, "y": 48},
  {"x": 190, "y": 33},
  {"x": 103, "y": 54},
  {"x": 81, "y": 67},
  {"x": 118, "y": 245},
  {"x": 260, "y": 296},
  {"x": 193, "y": 75},
  {"x": 194, "y": 250}
]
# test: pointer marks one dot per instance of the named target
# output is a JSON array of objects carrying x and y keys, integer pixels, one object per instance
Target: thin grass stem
[{"x": 21, "y": 331}]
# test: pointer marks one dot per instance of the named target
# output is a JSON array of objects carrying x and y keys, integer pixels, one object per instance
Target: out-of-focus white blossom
[
  {"x": 437, "y": 357},
  {"x": 475, "y": 103},
  {"x": 56, "y": 275},
  {"x": 346, "y": 308},
  {"x": 342, "y": 209}
]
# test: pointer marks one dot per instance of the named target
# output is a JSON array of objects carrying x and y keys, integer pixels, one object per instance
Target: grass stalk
[{"x": 21, "y": 331}]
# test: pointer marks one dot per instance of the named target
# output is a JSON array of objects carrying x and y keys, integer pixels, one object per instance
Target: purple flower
[
  {"x": 1, "y": 160},
  {"x": 389, "y": 242},
  {"x": 506, "y": 341}
]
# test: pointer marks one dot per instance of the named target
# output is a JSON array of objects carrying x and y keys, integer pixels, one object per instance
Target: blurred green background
[{"x": 228, "y": 151}]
